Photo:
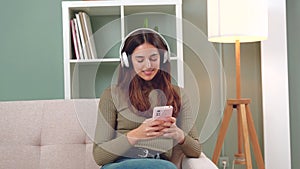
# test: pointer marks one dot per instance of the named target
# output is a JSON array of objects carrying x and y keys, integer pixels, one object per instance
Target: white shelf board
[
  {"x": 119, "y": 3},
  {"x": 94, "y": 60}
]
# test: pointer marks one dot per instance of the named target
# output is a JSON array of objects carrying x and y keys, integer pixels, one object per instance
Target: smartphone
[{"x": 162, "y": 111}]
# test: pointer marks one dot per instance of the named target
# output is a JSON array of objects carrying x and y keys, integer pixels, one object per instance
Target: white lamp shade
[{"x": 232, "y": 20}]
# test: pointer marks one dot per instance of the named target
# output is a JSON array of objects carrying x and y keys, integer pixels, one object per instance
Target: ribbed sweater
[{"x": 115, "y": 119}]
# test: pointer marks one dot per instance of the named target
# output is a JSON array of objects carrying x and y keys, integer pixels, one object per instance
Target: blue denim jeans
[{"x": 140, "y": 163}]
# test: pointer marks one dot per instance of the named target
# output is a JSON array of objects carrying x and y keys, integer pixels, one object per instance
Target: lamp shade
[{"x": 232, "y": 20}]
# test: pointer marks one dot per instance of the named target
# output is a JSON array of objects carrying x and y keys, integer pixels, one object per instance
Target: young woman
[{"x": 126, "y": 135}]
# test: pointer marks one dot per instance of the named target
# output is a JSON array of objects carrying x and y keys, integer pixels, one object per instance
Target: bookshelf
[{"x": 111, "y": 21}]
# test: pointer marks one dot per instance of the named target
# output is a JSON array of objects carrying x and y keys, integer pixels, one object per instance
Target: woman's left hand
[{"x": 172, "y": 131}]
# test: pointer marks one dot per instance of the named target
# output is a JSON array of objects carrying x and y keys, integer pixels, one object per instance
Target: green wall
[
  {"x": 293, "y": 27},
  {"x": 31, "y": 62}
]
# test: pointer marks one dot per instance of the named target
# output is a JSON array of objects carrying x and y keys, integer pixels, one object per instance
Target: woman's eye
[
  {"x": 154, "y": 57},
  {"x": 140, "y": 60}
]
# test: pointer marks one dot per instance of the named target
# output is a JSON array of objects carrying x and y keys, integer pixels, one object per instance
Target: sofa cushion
[
  {"x": 14, "y": 156},
  {"x": 45, "y": 134},
  {"x": 21, "y": 123},
  {"x": 60, "y": 124}
]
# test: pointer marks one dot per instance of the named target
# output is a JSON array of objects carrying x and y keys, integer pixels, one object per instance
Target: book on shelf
[
  {"x": 85, "y": 36},
  {"x": 89, "y": 35},
  {"x": 82, "y": 36},
  {"x": 74, "y": 39},
  {"x": 78, "y": 39}
]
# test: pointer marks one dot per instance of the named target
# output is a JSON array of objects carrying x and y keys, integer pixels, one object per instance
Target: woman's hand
[
  {"x": 147, "y": 130},
  {"x": 172, "y": 131}
]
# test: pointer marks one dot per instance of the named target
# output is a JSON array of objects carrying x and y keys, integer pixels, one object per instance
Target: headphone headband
[{"x": 124, "y": 57}]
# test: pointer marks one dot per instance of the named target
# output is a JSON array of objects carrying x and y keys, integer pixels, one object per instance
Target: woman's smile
[{"x": 148, "y": 72}]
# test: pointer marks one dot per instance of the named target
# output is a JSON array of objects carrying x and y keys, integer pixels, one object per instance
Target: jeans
[{"x": 140, "y": 163}]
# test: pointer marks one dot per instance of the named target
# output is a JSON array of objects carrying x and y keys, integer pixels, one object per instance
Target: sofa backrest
[{"x": 47, "y": 134}]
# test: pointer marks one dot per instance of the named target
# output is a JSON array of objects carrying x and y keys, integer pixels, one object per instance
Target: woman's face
[{"x": 146, "y": 61}]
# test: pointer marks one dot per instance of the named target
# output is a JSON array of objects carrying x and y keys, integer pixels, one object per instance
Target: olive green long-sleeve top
[{"x": 115, "y": 119}]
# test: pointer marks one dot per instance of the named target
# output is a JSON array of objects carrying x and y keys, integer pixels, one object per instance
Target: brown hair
[{"x": 138, "y": 89}]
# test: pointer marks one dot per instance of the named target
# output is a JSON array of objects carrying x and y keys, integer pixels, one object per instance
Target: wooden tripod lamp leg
[
  {"x": 254, "y": 140},
  {"x": 239, "y": 156},
  {"x": 245, "y": 136},
  {"x": 240, "y": 132},
  {"x": 222, "y": 133}
]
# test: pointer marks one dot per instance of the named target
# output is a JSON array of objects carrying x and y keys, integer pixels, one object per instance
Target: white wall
[{"x": 275, "y": 90}]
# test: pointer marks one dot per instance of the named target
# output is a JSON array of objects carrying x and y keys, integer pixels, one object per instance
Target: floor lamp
[{"x": 238, "y": 21}]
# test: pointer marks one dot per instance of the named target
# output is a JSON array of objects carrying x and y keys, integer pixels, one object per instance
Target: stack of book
[{"x": 82, "y": 37}]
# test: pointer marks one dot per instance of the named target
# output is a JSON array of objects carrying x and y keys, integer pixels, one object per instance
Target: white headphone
[{"x": 124, "y": 57}]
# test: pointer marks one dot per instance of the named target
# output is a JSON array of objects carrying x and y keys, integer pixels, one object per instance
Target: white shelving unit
[{"x": 111, "y": 21}]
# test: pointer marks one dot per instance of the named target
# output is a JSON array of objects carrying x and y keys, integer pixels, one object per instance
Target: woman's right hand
[{"x": 149, "y": 129}]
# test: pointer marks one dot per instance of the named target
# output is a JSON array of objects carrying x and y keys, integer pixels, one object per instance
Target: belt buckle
[{"x": 145, "y": 153}]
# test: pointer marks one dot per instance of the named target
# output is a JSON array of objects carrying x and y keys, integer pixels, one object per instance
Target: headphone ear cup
[
  {"x": 166, "y": 57},
  {"x": 124, "y": 60}
]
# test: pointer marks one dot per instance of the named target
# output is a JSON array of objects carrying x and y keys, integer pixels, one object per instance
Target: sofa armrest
[{"x": 198, "y": 163}]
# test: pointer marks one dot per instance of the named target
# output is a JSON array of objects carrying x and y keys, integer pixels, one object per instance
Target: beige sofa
[{"x": 54, "y": 134}]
